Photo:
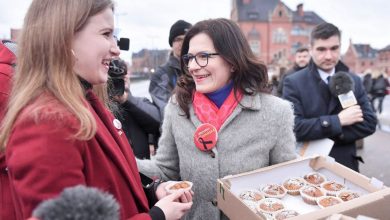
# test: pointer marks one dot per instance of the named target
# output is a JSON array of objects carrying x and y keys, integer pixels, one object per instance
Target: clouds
[
  {"x": 147, "y": 22},
  {"x": 359, "y": 20},
  {"x": 11, "y": 15}
]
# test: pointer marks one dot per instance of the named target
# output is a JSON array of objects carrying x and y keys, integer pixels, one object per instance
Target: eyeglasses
[{"x": 202, "y": 58}]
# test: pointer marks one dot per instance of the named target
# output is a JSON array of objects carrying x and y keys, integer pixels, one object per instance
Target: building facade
[
  {"x": 273, "y": 30},
  {"x": 361, "y": 58},
  {"x": 146, "y": 61},
  {"x": 384, "y": 60}
]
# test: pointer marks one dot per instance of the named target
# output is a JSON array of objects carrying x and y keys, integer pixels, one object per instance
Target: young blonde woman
[{"x": 56, "y": 132}]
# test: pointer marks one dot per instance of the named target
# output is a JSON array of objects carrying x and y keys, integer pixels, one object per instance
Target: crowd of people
[{"x": 61, "y": 127}]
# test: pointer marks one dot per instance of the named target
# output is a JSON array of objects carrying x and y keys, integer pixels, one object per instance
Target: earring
[{"x": 74, "y": 54}]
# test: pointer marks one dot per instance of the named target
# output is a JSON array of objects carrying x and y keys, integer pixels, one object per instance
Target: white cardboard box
[{"x": 230, "y": 186}]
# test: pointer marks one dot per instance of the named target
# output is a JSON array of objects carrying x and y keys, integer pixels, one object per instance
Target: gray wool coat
[{"x": 253, "y": 137}]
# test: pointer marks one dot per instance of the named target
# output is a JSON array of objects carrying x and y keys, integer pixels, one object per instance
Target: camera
[
  {"x": 123, "y": 43},
  {"x": 116, "y": 72}
]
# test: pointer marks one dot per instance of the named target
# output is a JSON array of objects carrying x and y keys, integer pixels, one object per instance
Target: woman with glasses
[
  {"x": 221, "y": 120},
  {"x": 56, "y": 133}
]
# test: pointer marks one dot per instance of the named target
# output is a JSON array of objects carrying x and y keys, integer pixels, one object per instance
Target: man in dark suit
[{"x": 318, "y": 114}]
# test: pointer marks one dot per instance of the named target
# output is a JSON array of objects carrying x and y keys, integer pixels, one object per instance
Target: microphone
[
  {"x": 341, "y": 85},
  {"x": 124, "y": 43},
  {"x": 78, "y": 203}
]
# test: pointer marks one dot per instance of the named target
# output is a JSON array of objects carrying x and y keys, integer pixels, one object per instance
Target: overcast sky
[{"x": 147, "y": 22}]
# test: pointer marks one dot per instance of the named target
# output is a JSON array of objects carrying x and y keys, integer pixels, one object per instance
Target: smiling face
[
  {"x": 326, "y": 52},
  {"x": 216, "y": 74},
  {"x": 94, "y": 46}
]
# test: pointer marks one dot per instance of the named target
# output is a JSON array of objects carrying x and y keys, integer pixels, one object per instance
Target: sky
[{"x": 147, "y": 22}]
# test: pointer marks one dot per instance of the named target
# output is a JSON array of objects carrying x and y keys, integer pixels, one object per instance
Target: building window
[
  {"x": 298, "y": 31},
  {"x": 295, "y": 46},
  {"x": 280, "y": 13},
  {"x": 255, "y": 47},
  {"x": 253, "y": 15},
  {"x": 279, "y": 36}
]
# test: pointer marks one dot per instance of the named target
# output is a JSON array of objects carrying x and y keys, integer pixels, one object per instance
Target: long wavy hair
[
  {"x": 45, "y": 62},
  {"x": 250, "y": 74}
]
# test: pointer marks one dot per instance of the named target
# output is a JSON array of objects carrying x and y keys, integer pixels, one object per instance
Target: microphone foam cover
[{"x": 79, "y": 203}]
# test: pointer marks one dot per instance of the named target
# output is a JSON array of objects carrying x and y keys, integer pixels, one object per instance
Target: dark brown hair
[
  {"x": 250, "y": 74},
  {"x": 324, "y": 31},
  {"x": 302, "y": 49}
]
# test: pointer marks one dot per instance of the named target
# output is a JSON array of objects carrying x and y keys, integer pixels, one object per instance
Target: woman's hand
[
  {"x": 174, "y": 210},
  {"x": 161, "y": 193}
]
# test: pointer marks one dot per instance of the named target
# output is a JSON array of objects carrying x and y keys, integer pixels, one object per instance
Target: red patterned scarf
[{"x": 208, "y": 112}]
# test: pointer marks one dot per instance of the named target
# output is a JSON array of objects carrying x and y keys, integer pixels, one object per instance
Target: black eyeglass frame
[{"x": 188, "y": 57}]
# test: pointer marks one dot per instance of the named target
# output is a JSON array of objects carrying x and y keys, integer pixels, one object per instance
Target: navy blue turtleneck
[{"x": 218, "y": 97}]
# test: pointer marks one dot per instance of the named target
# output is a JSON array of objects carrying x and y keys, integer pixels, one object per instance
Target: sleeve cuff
[
  {"x": 331, "y": 125},
  {"x": 156, "y": 213}
]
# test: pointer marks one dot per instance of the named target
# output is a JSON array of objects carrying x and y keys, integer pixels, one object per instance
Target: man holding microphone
[{"x": 318, "y": 111}]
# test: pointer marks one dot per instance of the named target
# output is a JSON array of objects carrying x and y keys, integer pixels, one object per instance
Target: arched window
[
  {"x": 254, "y": 41},
  {"x": 279, "y": 36}
]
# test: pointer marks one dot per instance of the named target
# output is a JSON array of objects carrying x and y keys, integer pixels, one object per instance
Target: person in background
[
  {"x": 379, "y": 91},
  {"x": 164, "y": 80},
  {"x": 367, "y": 83},
  {"x": 274, "y": 84},
  {"x": 140, "y": 118},
  {"x": 221, "y": 119},
  {"x": 302, "y": 58},
  {"x": 56, "y": 132},
  {"x": 319, "y": 114},
  {"x": 8, "y": 51}
]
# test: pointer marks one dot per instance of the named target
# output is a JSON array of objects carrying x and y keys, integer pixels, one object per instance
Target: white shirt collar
[{"x": 324, "y": 75}]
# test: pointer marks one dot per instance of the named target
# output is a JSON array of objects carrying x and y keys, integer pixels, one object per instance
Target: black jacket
[
  {"x": 295, "y": 68},
  {"x": 316, "y": 113},
  {"x": 141, "y": 122},
  {"x": 163, "y": 82},
  {"x": 379, "y": 86}
]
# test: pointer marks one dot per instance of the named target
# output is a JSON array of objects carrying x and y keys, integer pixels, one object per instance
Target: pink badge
[{"x": 205, "y": 137}]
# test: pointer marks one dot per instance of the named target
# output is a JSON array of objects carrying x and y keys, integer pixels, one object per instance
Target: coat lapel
[
  {"x": 330, "y": 101},
  {"x": 334, "y": 102},
  {"x": 121, "y": 153}
]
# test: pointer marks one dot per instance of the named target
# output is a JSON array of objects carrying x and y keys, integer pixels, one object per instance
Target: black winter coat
[{"x": 316, "y": 113}]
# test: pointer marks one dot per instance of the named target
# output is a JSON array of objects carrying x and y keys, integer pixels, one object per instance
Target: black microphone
[
  {"x": 124, "y": 43},
  {"x": 79, "y": 203},
  {"x": 341, "y": 85}
]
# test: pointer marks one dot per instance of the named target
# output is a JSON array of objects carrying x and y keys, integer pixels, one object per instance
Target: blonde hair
[{"x": 45, "y": 62}]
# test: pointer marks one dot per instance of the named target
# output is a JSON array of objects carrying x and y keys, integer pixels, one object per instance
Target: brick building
[
  {"x": 384, "y": 60},
  {"x": 273, "y": 30},
  {"x": 147, "y": 61},
  {"x": 360, "y": 57}
]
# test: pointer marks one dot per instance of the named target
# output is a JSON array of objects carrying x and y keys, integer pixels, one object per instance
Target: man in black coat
[
  {"x": 164, "y": 80},
  {"x": 140, "y": 119},
  {"x": 320, "y": 115},
  {"x": 302, "y": 58}
]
